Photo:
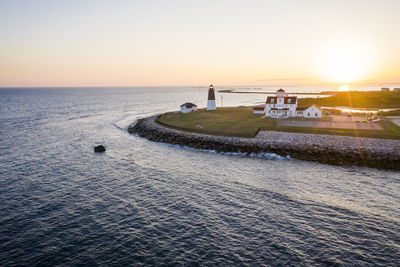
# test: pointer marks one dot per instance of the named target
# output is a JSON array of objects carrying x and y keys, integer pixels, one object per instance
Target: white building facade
[
  {"x": 280, "y": 106},
  {"x": 312, "y": 112},
  {"x": 284, "y": 106},
  {"x": 188, "y": 107}
]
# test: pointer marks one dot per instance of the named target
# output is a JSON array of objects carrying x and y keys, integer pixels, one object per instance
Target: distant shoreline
[
  {"x": 232, "y": 91},
  {"x": 335, "y": 150},
  {"x": 355, "y": 99}
]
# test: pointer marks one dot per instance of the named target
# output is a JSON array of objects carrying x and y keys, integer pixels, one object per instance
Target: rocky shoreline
[{"x": 329, "y": 149}]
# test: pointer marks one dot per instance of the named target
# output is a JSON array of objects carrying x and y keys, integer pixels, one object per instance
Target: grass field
[
  {"x": 241, "y": 122},
  {"x": 224, "y": 121}
]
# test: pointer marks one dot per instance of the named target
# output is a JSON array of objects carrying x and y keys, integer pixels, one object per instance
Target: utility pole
[{"x": 222, "y": 105}]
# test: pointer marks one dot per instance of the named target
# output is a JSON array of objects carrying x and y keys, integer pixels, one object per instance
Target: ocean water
[{"x": 147, "y": 203}]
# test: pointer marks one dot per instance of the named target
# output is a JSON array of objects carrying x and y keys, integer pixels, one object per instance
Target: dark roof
[
  {"x": 301, "y": 108},
  {"x": 279, "y": 109},
  {"x": 189, "y": 105},
  {"x": 281, "y": 90},
  {"x": 293, "y": 100},
  {"x": 258, "y": 108},
  {"x": 211, "y": 94}
]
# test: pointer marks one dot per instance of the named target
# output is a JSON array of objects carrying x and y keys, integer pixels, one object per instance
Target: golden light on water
[{"x": 344, "y": 88}]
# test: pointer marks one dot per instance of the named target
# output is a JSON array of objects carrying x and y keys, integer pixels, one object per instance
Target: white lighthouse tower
[{"x": 211, "y": 99}]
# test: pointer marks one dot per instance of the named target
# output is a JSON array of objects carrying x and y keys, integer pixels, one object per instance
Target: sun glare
[
  {"x": 346, "y": 67},
  {"x": 344, "y": 88},
  {"x": 345, "y": 63}
]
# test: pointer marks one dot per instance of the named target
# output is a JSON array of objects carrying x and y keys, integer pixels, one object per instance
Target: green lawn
[
  {"x": 241, "y": 122},
  {"x": 224, "y": 121}
]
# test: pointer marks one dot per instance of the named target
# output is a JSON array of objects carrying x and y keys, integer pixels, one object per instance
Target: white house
[
  {"x": 188, "y": 107},
  {"x": 211, "y": 99},
  {"x": 281, "y": 105},
  {"x": 284, "y": 106}
]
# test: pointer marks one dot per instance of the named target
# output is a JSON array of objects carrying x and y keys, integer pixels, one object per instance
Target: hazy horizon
[
  {"x": 193, "y": 43},
  {"x": 283, "y": 85}
]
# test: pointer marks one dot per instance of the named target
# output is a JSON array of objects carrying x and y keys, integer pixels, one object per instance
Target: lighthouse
[{"x": 211, "y": 98}]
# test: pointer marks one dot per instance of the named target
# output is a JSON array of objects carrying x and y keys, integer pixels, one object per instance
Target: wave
[
  {"x": 262, "y": 155},
  {"x": 123, "y": 121}
]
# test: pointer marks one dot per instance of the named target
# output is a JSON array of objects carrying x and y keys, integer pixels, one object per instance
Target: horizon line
[{"x": 206, "y": 86}]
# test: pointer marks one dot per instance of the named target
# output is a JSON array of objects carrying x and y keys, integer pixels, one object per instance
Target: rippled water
[{"x": 145, "y": 203}]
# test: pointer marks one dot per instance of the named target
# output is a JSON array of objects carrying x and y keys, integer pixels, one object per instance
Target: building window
[
  {"x": 272, "y": 100},
  {"x": 316, "y": 114},
  {"x": 308, "y": 114},
  {"x": 289, "y": 101}
]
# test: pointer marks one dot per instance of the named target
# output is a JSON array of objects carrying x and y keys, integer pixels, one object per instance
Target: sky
[{"x": 193, "y": 43}]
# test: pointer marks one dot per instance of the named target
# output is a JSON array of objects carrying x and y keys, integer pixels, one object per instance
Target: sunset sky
[{"x": 146, "y": 43}]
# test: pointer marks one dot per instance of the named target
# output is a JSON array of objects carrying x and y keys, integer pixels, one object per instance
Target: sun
[
  {"x": 344, "y": 63},
  {"x": 345, "y": 67},
  {"x": 344, "y": 88}
]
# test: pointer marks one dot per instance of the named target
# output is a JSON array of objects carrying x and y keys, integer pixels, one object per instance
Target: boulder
[{"x": 99, "y": 148}]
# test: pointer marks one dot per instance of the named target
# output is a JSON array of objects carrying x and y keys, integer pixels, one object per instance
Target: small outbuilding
[
  {"x": 312, "y": 112},
  {"x": 188, "y": 107},
  {"x": 259, "y": 110}
]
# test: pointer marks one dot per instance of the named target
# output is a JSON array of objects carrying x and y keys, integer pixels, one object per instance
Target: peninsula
[
  {"x": 329, "y": 149},
  {"x": 279, "y": 127}
]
